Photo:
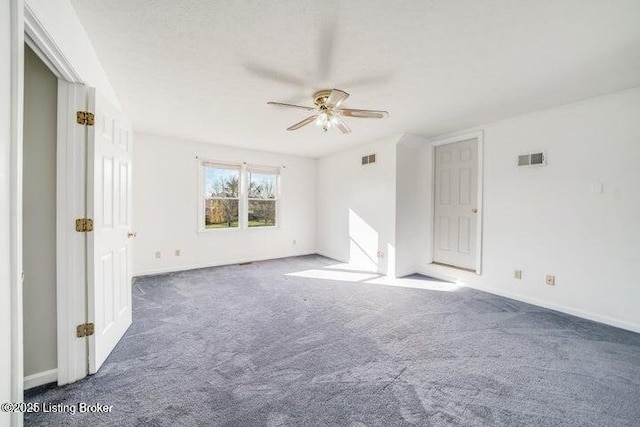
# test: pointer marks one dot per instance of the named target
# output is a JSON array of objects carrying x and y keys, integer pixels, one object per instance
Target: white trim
[
  {"x": 71, "y": 250},
  {"x": 480, "y": 202},
  {"x": 265, "y": 170},
  {"x": 406, "y": 272},
  {"x": 70, "y": 201},
  {"x": 15, "y": 205},
  {"x": 479, "y": 137},
  {"x": 327, "y": 254},
  {"x": 454, "y": 275},
  {"x": 202, "y": 163},
  {"x": 622, "y": 324},
  {"x": 244, "y": 170},
  {"x": 448, "y": 273},
  {"x": 41, "y": 378},
  {"x": 39, "y": 39},
  {"x": 232, "y": 261}
]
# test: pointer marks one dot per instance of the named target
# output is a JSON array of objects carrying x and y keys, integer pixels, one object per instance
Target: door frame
[
  {"x": 71, "y": 302},
  {"x": 479, "y": 137},
  {"x": 14, "y": 246}
]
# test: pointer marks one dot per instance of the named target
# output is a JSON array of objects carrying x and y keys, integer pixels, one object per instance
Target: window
[
  {"x": 238, "y": 196},
  {"x": 261, "y": 211},
  {"x": 222, "y": 195}
]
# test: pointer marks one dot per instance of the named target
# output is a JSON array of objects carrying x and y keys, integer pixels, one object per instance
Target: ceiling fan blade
[
  {"x": 341, "y": 125},
  {"x": 364, "y": 114},
  {"x": 335, "y": 98},
  {"x": 282, "y": 104},
  {"x": 303, "y": 123}
]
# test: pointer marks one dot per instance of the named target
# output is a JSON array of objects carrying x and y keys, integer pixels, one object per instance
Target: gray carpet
[{"x": 245, "y": 345}]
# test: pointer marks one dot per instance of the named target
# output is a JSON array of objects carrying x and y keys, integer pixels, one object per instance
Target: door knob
[
  {"x": 474, "y": 210},
  {"x": 132, "y": 234}
]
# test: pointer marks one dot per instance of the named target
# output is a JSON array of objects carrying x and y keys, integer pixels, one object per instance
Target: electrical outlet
[
  {"x": 550, "y": 280},
  {"x": 380, "y": 254},
  {"x": 158, "y": 254},
  {"x": 177, "y": 252},
  {"x": 517, "y": 274}
]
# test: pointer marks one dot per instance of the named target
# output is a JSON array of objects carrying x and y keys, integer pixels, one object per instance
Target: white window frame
[
  {"x": 263, "y": 170},
  {"x": 243, "y": 199},
  {"x": 202, "y": 197}
]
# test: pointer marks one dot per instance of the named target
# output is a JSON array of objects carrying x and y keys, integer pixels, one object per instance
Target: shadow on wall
[{"x": 363, "y": 244}]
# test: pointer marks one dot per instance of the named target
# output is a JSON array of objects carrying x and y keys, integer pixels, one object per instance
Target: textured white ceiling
[{"x": 204, "y": 69}]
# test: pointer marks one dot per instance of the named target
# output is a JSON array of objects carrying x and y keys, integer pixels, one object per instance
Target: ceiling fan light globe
[{"x": 322, "y": 119}]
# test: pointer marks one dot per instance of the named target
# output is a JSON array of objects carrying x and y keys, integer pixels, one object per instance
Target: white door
[
  {"x": 455, "y": 208},
  {"x": 109, "y": 246}
]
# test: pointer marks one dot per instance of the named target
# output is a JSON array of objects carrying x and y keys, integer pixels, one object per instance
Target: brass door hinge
[
  {"x": 85, "y": 330},
  {"x": 84, "y": 225},
  {"x": 85, "y": 118}
]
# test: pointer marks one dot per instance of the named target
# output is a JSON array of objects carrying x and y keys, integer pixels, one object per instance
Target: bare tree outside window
[
  {"x": 222, "y": 191},
  {"x": 239, "y": 196},
  {"x": 262, "y": 199}
]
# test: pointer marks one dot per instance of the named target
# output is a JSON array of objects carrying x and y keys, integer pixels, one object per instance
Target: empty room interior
[{"x": 320, "y": 213}]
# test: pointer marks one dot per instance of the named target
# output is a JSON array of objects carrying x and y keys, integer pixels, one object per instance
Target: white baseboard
[
  {"x": 41, "y": 378},
  {"x": 332, "y": 256},
  {"x": 214, "y": 264},
  {"x": 442, "y": 274},
  {"x": 622, "y": 324},
  {"x": 407, "y": 272}
]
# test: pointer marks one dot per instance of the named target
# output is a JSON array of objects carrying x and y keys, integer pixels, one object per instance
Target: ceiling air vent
[
  {"x": 532, "y": 159},
  {"x": 368, "y": 159}
]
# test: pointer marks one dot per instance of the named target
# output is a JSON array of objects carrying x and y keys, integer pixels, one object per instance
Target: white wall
[
  {"x": 554, "y": 220},
  {"x": 61, "y": 23},
  {"x": 39, "y": 217},
  {"x": 547, "y": 220},
  {"x": 411, "y": 210},
  {"x": 356, "y": 206},
  {"x": 165, "y": 204}
]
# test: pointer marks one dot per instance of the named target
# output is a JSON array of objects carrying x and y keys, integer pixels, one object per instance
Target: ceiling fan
[{"x": 327, "y": 111}]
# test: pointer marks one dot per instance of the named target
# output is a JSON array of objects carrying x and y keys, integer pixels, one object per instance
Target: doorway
[
  {"x": 457, "y": 201},
  {"x": 87, "y": 188},
  {"x": 39, "y": 222}
]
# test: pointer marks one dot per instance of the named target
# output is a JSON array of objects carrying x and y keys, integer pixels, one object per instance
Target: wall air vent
[
  {"x": 368, "y": 159},
  {"x": 532, "y": 159}
]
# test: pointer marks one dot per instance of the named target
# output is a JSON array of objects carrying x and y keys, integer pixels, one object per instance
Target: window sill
[
  {"x": 218, "y": 230},
  {"x": 265, "y": 227},
  {"x": 236, "y": 229}
]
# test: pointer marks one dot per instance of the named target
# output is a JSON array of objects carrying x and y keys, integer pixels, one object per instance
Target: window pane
[
  {"x": 221, "y": 213},
  {"x": 221, "y": 182},
  {"x": 262, "y": 213},
  {"x": 262, "y": 185}
]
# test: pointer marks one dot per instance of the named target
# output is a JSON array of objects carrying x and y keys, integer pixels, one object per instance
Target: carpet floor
[{"x": 252, "y": 345}]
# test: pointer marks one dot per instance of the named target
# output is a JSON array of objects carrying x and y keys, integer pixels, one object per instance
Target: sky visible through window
[
  {"x": 217, "y": 179},
  {"x": 265, "y": 183}
]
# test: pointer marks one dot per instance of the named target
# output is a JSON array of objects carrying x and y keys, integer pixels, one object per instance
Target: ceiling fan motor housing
[{"x": 320, "y": 97}]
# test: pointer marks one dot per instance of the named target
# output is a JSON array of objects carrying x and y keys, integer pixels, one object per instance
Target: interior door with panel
[
  {"x": 455, "y": 204},
  {"x": 109, "y": 245}
]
